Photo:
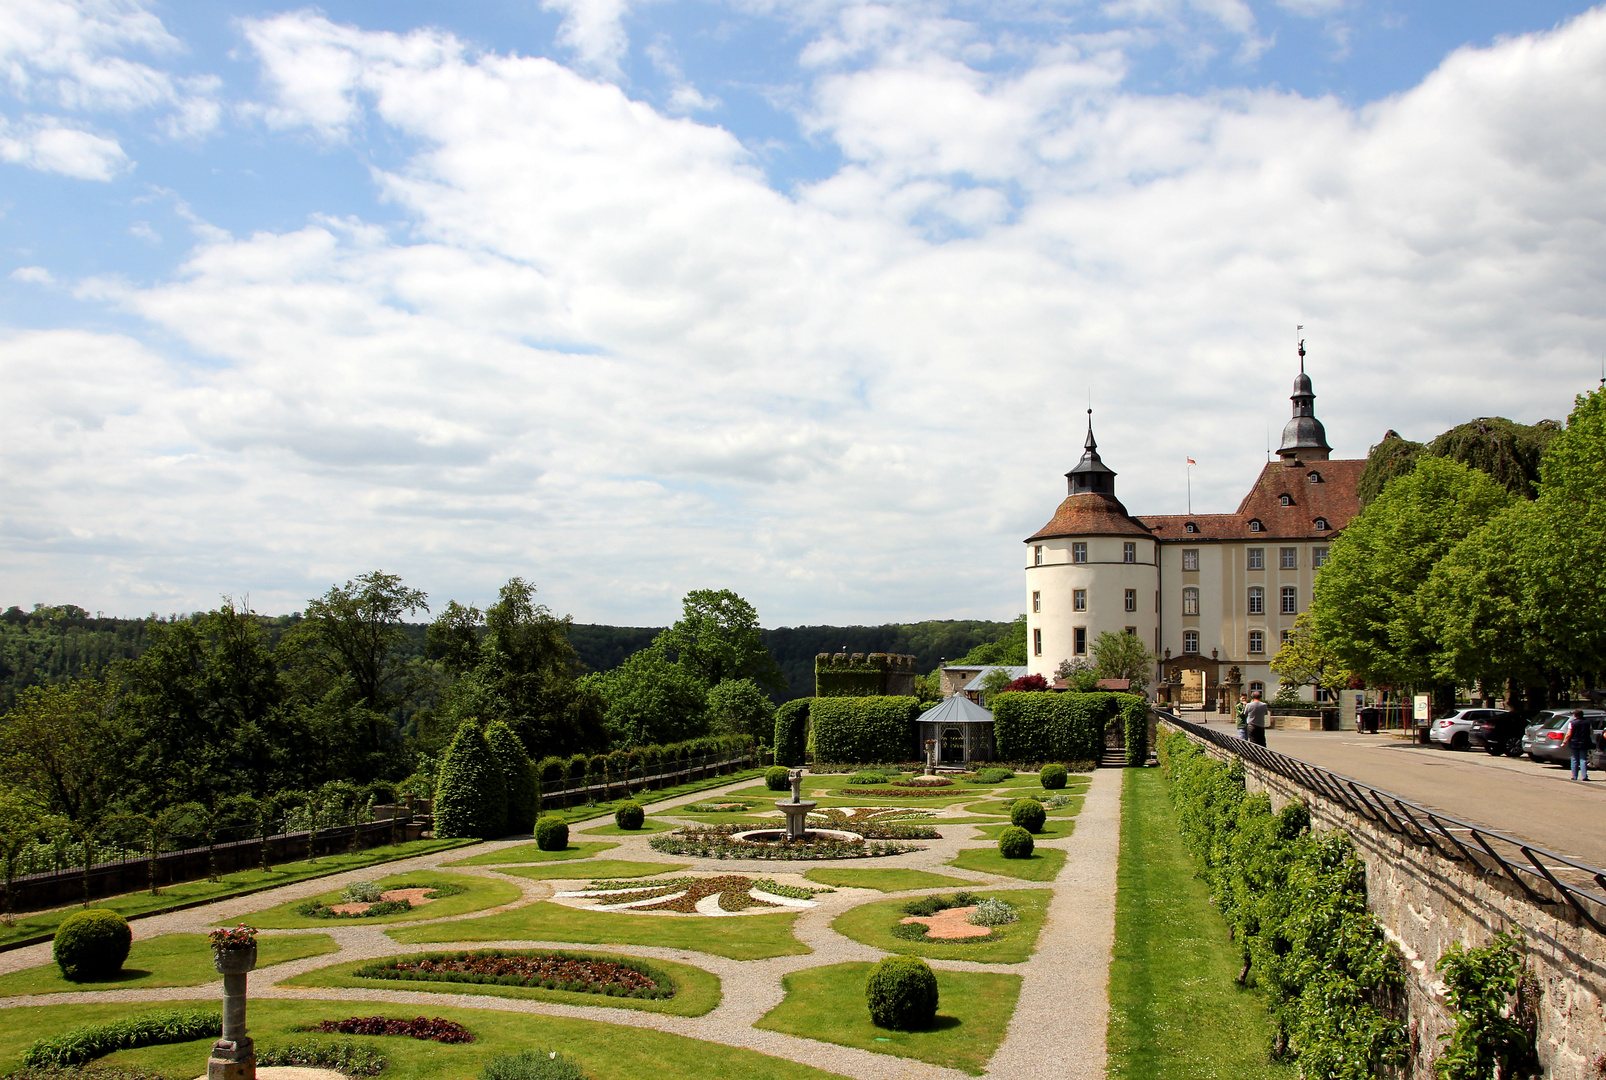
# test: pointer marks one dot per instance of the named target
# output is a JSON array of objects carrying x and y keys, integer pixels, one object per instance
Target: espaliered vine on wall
[{"x": 1296, "y": 902}]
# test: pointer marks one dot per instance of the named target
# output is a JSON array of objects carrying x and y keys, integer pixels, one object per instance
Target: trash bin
[
  {"x": 1367, "y": 719},
  {"x": 1422, "y": 734}
]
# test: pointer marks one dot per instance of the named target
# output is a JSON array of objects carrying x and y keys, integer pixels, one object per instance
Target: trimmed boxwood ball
[
  {"x": 902, "y": 994},
  {"x": 1015, "y": 843},
  {"x": 1028, "y": 814},
  {"x": 551, "y": 833},
  {"x": 92, "y": 945},
  {"x": 1052, "y": 777},
  {"x": 777, "y": 778},
  {"x": 630, "y": 815}
]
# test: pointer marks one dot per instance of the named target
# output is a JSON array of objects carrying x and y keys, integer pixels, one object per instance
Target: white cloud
[
  {"x": 43, "y": 143},
  {"x": 605, "y": 353},
  {"x": 34, "y": 275},
  {"x": 594, "y": 30}
]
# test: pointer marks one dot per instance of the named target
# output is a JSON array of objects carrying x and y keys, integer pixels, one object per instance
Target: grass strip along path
[
  {"x": 872, "y": 925},
  {"x": 168, "y": 960},
  {"x": 1176, "y": 1012}
]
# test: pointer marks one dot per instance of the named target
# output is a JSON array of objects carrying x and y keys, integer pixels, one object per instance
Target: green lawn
[
  {"x": 999, "y": 807},
  {"x": 529, "y": 853},
  {"x": 605, "y": 1051},
  {"x": 696, "y": 990},
  {"x": 1176, "y": 1012},
  {"x": 1044, "y": 864},
  {"x": 594, "y": 870},
  {"x": 482, "y": 893},
  {"x": 872, "y": 924},
  {"x": 747, "y": 937},
  {"x": 840, "y": 794},
  {"x": 167, "y": 960},
  {"x": 246, "y": 881},
  {"x": 1053, "y": 829},
  {"x": 827, "y": 1003},
  {"x": 650, "y": 825},
  {"x": 883, "y": 880},
  {"x": 587, "y": 811}
]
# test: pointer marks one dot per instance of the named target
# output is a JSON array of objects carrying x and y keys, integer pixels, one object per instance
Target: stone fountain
[{"x": 796, "y": 810}]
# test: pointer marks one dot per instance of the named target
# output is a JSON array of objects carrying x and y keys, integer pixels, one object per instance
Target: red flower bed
[
  {"x": 922, "y": 792},
  {"x": 435, "y": 1030},
  {"x": 544, "y": 970}
]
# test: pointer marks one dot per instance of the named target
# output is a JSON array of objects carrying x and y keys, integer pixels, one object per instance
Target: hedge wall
[
  {"x": 864, "y": 729},
  {"x": 791, "y": 731},
  {"x": 1135, "y": 721},
  {"x": 1034, "y": 726}
]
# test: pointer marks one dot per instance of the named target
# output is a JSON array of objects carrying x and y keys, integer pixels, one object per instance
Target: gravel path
[{"x": 1059, "y": 1023}]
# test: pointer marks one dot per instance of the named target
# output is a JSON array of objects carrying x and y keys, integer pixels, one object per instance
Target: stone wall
[{"x": 1426, "y": 901}]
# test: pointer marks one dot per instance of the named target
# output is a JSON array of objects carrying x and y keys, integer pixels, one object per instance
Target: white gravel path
[{"x": 1059, "y": 1023}]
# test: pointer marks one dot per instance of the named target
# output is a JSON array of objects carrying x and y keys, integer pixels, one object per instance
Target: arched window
[
  {"x": 1320, "y": 524},
  {"x": 1257, "y": 601},
  {"x": 1190, "y": 601},
  {"x": 1287, "y": 499},
  {"x": 1255, "y": 525}
]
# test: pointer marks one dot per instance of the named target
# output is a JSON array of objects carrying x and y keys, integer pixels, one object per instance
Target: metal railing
[{"x": 1546, "y": 878}]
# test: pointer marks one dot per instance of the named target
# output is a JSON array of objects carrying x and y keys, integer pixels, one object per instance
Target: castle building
[{"x": 1208, "y": 592}]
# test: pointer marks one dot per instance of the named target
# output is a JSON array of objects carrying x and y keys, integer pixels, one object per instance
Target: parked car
[
  {"x": 1546, "y": 738},
  {"x": 1498, "y": 733},
  {"x": 1454, "y": 729}
]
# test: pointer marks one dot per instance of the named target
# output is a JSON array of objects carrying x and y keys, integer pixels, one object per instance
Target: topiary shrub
[
  {"x": 777, "y": 778},
  {"x": 470, "y": 791},
  {"x": 1052, "y": 777},
  {"x": 1028, "y": 814},
  {"x": 630, "y": 815},
  {"x": 791, "y": 732},
  {"x": 92, "y": 945},
  {"x": 1016, "y": 843},
  {"x": 551, "y": 833},
  {"x": 518, "y": 776},
  {"x": 902, "y": 994}
]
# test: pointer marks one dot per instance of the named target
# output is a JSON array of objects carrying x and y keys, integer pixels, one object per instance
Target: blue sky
[{"x": 804, "y": 300}]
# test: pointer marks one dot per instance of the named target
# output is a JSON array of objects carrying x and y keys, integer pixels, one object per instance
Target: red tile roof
[
  {"x": 1090, "y": 514},
  {"x": 1332, "y": 501}
]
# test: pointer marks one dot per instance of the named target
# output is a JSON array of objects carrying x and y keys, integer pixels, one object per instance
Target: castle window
[
  {"x": 1257, "y": 601},
  {"x": 1190, "y": 642},
  {"x": 1037, "y": 601},
  {"x": 1318, "y": 558},
  {"x": 1190, "y": 559},
  {"x": 1129, "y": 553},
  {"x": 1255, "y": 525},
  {"x": 1257, "y": 688},
  {"x": 1190, "y": 527},
  {"x": 1132, "y": 630},
  {"x": 1131, "y": 599},
  {"x": 1315, "y": 477},
  {"x": 1257, "y": 641},
  {"x": 1290, "y": 558},
  {"x": 1190, "y": 601},
  {"x": 1079, "y": 553},
  {"x": 1257, "y": 558},
  {"x": 1080, "y": 640},
  {"x": 1078, "y": 599},
  {"x": 1037, "y": 643},
  {"x": 1286, "y": 635},
  {"x": 1287, "y": 499},
  {"x": 1321, "y": 524},
  {"x": 1037, "y": 555},
  {"x": 1290, "y": 598}
]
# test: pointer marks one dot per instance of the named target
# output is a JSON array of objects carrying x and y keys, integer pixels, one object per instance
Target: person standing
[
  {"x": 1256, "y": 715},
  {"x": 1580, "y": 733},
  {"x": 1243, "y": 703}
]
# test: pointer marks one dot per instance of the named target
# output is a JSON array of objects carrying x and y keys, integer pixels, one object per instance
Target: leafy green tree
[
  {"x": 1366, "y": 610},
  {"x": 651, "y": 699},
  {"x": 1508, "y": 452},
  {"x": 24, "y": 820},
  {"x": 1393, "y": 456},
  {"x": 1009, "y": 649},
  {"x": 1079, "y": 675},
  {"x": 1119, "y": 655},
  {"x": 54, "y": 745},
  {"x": 995, "y": 682},
  {"x": 471, "y": 794},
  {"x": 739, "y": 707},
  {"x": 518, "y": 775},
  {"x": 718, "y": 638},
  {"x": 1302, "y": 661}
]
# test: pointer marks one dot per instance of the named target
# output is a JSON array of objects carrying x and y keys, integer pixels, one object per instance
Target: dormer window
[
  {"x": 1315, "y": 477},
  {"x": 1287, "y": 499},
  {"x": 1190, "y": 527},
  {"x": 1255, "y": 525},
  {"x": 1320, "y": 524}
]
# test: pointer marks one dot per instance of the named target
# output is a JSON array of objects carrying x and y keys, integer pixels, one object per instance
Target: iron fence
[{"x": 1546, "y": 878}]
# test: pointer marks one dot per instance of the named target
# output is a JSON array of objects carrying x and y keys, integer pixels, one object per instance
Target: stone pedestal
[
  {"x": 234, "y": 1055},
  {"x": 796, "y": 811}
]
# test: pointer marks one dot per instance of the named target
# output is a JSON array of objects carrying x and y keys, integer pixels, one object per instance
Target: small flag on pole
[{"x": 1192, "y": 462}]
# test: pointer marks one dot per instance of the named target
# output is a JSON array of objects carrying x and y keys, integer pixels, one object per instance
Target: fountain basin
[{"x": 778, "y": 836}]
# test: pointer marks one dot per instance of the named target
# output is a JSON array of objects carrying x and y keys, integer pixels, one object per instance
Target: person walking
[
  {"x": 1243, "y": 703},
  {"x": 1256, "y": 715},
  {"x": 1580, "y": 733}
]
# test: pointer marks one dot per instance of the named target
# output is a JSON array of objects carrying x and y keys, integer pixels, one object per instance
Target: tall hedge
[
  {"x": 864, "y": 729},
  {"x": 518, "y": 776},
  {"x": 470, "y": 793},
  {"x": 791, "y": 731},
  {"x": 1033, "y": 726},
  {"x": 1135, "y": 721}
]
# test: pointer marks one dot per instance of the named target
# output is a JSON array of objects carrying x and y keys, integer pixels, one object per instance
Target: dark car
[{"x": 1498, "y": 733}]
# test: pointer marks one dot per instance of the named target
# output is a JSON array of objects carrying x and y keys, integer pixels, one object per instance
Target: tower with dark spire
[
  {"x": 1304, "y": 438},
  {"x": 1091, "y": 476}
]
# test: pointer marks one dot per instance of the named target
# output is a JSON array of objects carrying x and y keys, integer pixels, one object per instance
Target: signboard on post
[{"x": 1424, "y": 705}]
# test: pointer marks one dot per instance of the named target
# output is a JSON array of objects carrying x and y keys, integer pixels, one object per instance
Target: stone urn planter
[{"x": 234, "y": 954}]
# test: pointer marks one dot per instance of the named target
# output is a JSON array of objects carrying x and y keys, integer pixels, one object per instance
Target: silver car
[
  {"x": 1454, "y": 728},
  {"x": 1546, "y": 738}
]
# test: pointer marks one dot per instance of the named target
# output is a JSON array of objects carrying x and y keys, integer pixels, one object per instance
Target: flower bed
[
  {"x": 876, "y": 823},
  {"x": 716, "y": 842},
  {"x": 917, "y": 792},
  {"x": 987, "y": 915},
  {"x": 575, "y": 972},
  {"x": 924, "y": 782},
  {"x": 350, "y": 907},
  {"x": 683, "y": 894},
  {"x": 430, "y": 1029}
]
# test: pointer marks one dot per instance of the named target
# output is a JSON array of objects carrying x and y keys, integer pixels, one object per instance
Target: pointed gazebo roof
[{"x": 958, "y": 709}]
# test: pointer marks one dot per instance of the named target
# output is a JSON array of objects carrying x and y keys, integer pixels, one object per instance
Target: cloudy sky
[{"x": 807, "y": 300}]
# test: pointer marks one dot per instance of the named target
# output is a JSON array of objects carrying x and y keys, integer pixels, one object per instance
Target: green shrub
[
  {"x": 1028, "y": 814},
  {"x": 1015, "y": 843},
  {"x": 553, "y": 771},
  {"x": 92, "y": 945},
  {"x": 630, "y": 815},
  {"x": 1043, "y": 726},
  {"x": 552, "y": 833},
  {"x": 362, "y": 892},
  {"x": 791, "y": 732},
  {"x": 1052, "y": 777},
  {"x": 518, "y": 776},
  {"x": 1135, "y": 722},
  {"x": 872, "y": 779},
  {"x": 902, "y": 994},
  {"x": 777, "y": 778},
  {"x": 532, "y": 1065},
  {"x": 578, "y": 764},
  {"x": 344, "y": 1056},
  {"x": 992, "y": 776},
  {"x": 863, "y": 729},
  {"x": 470, "y": 792},
  {"x": 994, "y": 912},
  {"x": 86, "y": 1043}
]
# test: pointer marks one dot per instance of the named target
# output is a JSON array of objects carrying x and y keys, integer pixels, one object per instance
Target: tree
[
  {"x": 1393, "y": 456},
  {"x": 651, "y": 699},
  {"x": 518, "y": 775},
  {"x": 471, "y": 795},
  {"x": 1029, "y": 684},
  {"x": 23, "y": 821},
  {"x": 54, "y": 746},
  {"x": 995, "y": 682},
  {"x": 1119, "y": 655},
  {"x": 718, "y": 638},
  {"x": 1366, "y": 611},
  {"x": 1009, "y": 649},
  {"x": 739, "y": 707},
  {"x": 1079, "y": 675},
  {"x": 1302, "y": 661}
]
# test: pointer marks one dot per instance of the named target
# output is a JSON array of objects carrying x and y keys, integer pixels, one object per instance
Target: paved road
[{"x": 1526, "y": 799}]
